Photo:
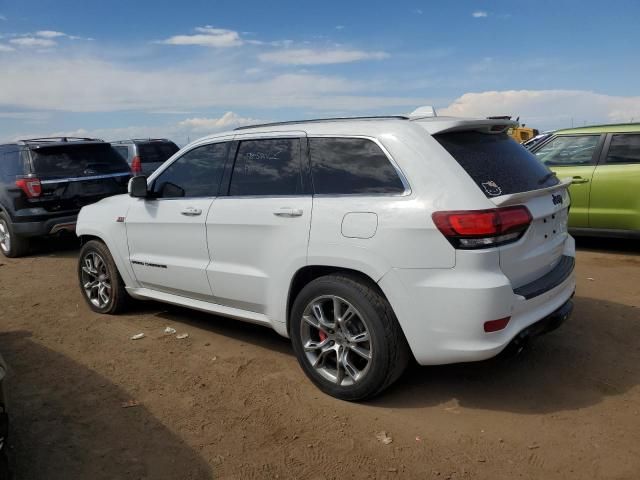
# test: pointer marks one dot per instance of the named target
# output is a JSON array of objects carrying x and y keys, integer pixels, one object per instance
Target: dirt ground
[{"x": 230, "y": 401}]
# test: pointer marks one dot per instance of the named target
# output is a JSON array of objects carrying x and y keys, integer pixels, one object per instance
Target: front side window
[
  {"x": 571, "y": 150},
  {"x": 267, "y": 167},
  {"x": 624, "y": 149},
  {"x": 351, "y": 166},
  {"x": 197, "y": 173}
]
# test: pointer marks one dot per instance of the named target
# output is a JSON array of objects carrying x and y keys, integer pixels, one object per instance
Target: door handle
[
  {"x": 191, "y": 212},
  {"x": 577, "y": 179},
  {"x": 288, "y": 212}
]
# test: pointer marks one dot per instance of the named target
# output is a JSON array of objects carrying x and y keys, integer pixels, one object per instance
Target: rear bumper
[
  {"x": 46, "y": 227},
  {"x": 442, "y": 312}
]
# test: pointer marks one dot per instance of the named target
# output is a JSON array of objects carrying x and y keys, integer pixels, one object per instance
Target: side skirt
[{"x": 236, "y": 313}]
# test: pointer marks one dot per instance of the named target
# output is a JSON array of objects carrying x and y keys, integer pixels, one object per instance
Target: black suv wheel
[{"x": 11, "y": 245}]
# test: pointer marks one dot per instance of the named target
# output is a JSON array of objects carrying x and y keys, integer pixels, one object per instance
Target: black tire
[
  {"x": 18, "y": 246},
  {"x": 118, "y": 298},
  {"x": 389, "y": 350}
]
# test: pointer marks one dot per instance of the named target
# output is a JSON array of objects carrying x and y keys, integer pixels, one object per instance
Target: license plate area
[{"x": 553, "y": 225}]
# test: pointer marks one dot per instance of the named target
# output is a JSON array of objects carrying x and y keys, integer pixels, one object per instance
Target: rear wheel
[
  {"x": 11, "y": 245},
  {"x": 346, "y": 337},
  {"x": 100, "y": 283}
]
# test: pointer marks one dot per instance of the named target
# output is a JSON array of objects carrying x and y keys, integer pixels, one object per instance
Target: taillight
[
  {"x": 469, "y": 229},
  {"x": 30, "y": 186},
  {"x": 136, "y": 165}
]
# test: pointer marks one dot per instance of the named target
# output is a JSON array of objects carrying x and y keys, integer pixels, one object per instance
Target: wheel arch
[
  {"x": 308, "y": 273},
  {"x": 118, "y": 249}
]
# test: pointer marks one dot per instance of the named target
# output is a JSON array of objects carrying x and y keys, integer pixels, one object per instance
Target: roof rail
[
  {"x": 60, "y": 139},
  {"x": 141, "y": 140},
  {"x": 316, "y": 120}
]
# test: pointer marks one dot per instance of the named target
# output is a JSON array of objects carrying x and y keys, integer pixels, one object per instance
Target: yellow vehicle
[{"x": 521, "y": 133}]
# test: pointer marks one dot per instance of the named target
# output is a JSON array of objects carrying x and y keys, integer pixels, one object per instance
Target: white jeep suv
[{"x": 367, "y": 241}]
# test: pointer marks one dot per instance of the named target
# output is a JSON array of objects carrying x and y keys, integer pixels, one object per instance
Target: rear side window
[
  {"x": 569, "y": 150},
  {"x": 624, "y": 149},
  {"x": 197, "y": 173},
  {"x": 156, "y": 152},
  {"x": 123, "y": 151},
  {"x": 497, "y": 164},
  {"x": 11, "y": 164},
  {"x": 267, "y": 167},
  {"x": 77, "y": 160},
  {"x": 352, "y": 166}
]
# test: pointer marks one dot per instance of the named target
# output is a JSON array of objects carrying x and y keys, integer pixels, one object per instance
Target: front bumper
[{"x": 46, "y": 227}]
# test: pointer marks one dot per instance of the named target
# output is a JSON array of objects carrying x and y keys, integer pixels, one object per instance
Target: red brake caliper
[{"x": 322, "y": 335}]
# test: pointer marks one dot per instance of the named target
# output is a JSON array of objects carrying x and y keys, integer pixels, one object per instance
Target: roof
[
  {"x": 607, "y": 128},
  {"x": 367, "y": 125},
  {"x": 56, "y": 141}
]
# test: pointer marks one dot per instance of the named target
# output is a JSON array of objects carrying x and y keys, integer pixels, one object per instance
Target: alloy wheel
[
  {"x": 5, "y": 237},
  {"x": 95, "y": 280},
  {"x": 336, "y": 340}
]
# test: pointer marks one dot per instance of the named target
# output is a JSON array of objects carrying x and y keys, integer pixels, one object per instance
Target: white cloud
[
  {"x": 339, "y": 27},
  {"x": 226, "y": 121},
  {"x": 207, "y": 37},
  {"x": 180, "y": 132},
  {"x": 50, "y": 34},
  {"x": 547, "y": 109},
  {"x": 418, "y": 11},
  {"x": 479, "y": 14},
  {"x": 33, "y": 42},
  {"x": 307, "y": 56},
  {"x": 90, "y": 85},
  {"x": 6, "y": 48},
  {"x": 3, "y": 18}
]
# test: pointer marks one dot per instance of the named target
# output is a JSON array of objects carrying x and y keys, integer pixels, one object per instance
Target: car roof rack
[
  {"x": 319, "y": 120},
  {"x": 141, "y": 140},
  {"x": 60, "y": 139}
]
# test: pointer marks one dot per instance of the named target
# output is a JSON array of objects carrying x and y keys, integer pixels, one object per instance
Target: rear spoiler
[
  {"x": 520, "y": 197},
  {"x": 435, "y": 125}
]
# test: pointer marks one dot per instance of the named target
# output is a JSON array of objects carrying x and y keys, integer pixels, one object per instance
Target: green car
[{"x": 603, "y": 162}]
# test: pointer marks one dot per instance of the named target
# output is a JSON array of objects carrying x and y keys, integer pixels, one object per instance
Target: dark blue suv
[{"x": 44, "y": 182}]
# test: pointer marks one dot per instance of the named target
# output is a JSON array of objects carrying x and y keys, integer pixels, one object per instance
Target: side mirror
[{"x": 138, "y": 187}]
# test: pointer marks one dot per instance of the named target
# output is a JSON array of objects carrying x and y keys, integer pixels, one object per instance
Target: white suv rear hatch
[{"x": 508, "y": 174}]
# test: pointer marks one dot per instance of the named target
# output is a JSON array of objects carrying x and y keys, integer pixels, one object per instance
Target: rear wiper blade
[{"x": 546, "y": 177}]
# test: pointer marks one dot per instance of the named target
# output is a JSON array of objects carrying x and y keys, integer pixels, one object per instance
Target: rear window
[
  {"x": 497, "y": 164},
  {"x": 77, "y": 160},
  {"x": 156, "y": 152}
]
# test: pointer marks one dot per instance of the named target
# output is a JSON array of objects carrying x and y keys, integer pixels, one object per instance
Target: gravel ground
[{"x": 230, "y": 401}]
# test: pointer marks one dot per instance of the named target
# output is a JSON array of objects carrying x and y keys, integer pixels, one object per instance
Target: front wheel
[
  {"x": 100, "y": 283},
  {"x": 347, "y": 338}
]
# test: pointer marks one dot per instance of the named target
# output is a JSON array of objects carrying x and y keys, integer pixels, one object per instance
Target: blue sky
[{"x": 121, "y": 68}]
